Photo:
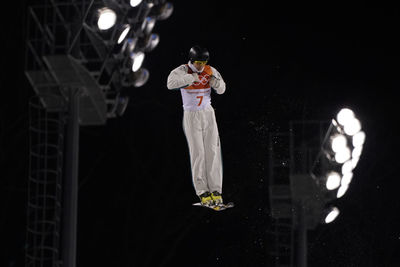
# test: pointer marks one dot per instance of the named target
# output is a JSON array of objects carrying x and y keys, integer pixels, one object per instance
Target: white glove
[
  {"x": 214, "y": 82},
  {"x": 196, "y": 77}
]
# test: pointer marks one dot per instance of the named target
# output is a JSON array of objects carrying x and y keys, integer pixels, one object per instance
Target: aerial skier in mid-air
[{"x": 195, "y": 80}]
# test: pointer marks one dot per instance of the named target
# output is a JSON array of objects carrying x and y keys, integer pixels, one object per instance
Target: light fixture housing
[
  {"x": 148, "y": 25},
  {"x": 136, "y": 79},
  {"x": 135, "y": 3},
  {"x": 358, "y": 139},
  {"x": 122, "y": 33},
  {"x": 149, "y": 42},
  {"x": 121, "y": 105},
  {"x": 343, "y": 155},
  {"x": 342, "y": 190},
  {"x": 330, "y": 214},
  {"x": 106, "y": 18},
  {"x": 338, "y": 142},
  {"x": 137, "y": 59},
  {"x": 141, "y": 77},
  {"x": 344, "y": 116},
  {"x": 333, "y": 180},
  {"x": 352, "y": 127},
  {"x": 163, "y": 11}
]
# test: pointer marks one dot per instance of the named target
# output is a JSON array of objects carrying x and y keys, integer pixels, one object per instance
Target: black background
[{"x": 280, "y": 63}]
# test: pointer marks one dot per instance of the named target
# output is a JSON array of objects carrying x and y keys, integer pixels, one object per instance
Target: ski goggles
[{"x": 201, "y": 62}]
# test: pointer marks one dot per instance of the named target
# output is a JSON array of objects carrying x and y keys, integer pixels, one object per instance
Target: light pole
[
  {"x": 80, "y": 58},
  {"x": 70, "y": 196},
  {"x": 322, "y": 156}
]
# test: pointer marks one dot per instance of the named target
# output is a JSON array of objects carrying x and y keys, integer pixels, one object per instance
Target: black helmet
[{"x": 198, "y": 53}]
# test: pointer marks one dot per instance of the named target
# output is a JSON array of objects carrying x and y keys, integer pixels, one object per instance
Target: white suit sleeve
[
  {"x": 221, "y": 88},
  {"x": 179, "y": 78}
]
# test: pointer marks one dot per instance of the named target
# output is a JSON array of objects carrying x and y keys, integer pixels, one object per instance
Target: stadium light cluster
[
  {"x": 132, "y": 29},
  {"x": 347, "y": 143},
  {"x": 105, "y": 41},
  {"x": 126, "y": 30},
  {"x": 341, "y": 151}
]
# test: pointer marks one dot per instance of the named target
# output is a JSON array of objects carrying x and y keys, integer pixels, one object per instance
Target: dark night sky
[{"x": 280, "y": 63}]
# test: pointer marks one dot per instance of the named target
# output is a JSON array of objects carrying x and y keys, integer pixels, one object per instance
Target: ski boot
[
  {"x": 206, "y": 199},
  {"x": 217, "y": 198}
]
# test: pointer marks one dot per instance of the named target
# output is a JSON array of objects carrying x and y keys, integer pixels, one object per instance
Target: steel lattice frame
[{"x": 61, "y": 32}]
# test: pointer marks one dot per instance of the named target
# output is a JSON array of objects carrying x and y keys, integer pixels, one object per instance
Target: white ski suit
[{"x": 199, "y": 124}]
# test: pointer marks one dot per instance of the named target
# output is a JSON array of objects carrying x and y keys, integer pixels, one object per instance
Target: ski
[{"x": 216, "y": 207}]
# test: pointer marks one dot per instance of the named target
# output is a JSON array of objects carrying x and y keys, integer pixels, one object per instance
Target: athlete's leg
[
  {"x": 212, "y": 149},
  {"x": 194, "y": 136}
]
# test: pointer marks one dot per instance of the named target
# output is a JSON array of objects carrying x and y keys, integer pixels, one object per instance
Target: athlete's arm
[
  {"x": 179, "y": 78},
  {"x": 217, "y": 83}
]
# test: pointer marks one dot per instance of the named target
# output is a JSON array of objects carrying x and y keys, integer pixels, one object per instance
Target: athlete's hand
[
  {"x": 214, "y": 82},
  {"x": 196, "y": 77}
]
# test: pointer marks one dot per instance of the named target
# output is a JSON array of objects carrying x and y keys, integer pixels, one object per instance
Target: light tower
[
  {"x": 310, "y": 167},
  {"x": 80, "y": 58}
]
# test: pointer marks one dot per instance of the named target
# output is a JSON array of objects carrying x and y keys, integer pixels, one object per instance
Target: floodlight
[
  {"x": 141, "y": 77},
  {"x": 358, "y": 139},
  {"x": 347, "y": 167},
  {"x": 332, "y": 180},
  {"x": 106, "y": 18},
  {"x": 342, "y": 190},
  {"x": 150, "y": 42},
  {"x": 346, "y": 179},
  {"x": 354, "y": 162},
  {"x": 148, "y": 24},
  {"x": 343, "y": 155},
  {"x": 338, "y": 143},
  {"x": 356, "y": 155},
  {"x": 135, "y": 3},
  {"x": 136, "y": 79},
  {"x": 165, "y": 11},
  {"x": 332, "y": 214},
  {"x": 121, "y": 105},
  {"x": 344, "y": 116},
  {"x": 129, "y": 46},
  {"x": 123, "y": 32},
  {"x": 137, "y": 60},
  {"x": 352, "y": 126}
]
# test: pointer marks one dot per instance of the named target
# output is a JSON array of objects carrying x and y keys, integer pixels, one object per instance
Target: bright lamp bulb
[
  {"x": 352, "y": 127},
  {"x": 359, "y": 139},
  {"x": 148, "y": 24},
  {"x": 124, "y": 33},
  {"x": 137, "y": 60},
  {"x": 332, "y": 215},
  {"x": 107, "y": 18},
  {"x": 356, "y": 155},
  {"x": 333, "y": 181},
  {"x": 354, "y": 162},
  {"x": 346, "y": 179},
  {"x": 342, "y": 190},
  {"x": 339, "y": 142},
  {"x": 343, "y": 155},
  {"x": 347, "y": 167},
  {"x": 344, "y": 116},
  {"x": 357, "y": 152},
  {"x": 134, "y": 3}
]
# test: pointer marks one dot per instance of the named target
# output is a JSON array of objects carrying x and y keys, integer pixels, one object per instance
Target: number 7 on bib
[{"x": 201, "y": 99}]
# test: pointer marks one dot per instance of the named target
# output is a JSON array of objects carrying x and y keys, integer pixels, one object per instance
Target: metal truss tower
[
  {"x": 44, "y": 185},
  {"x": 78, "y": 72},
  {"x": 295, "y": 201}
]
